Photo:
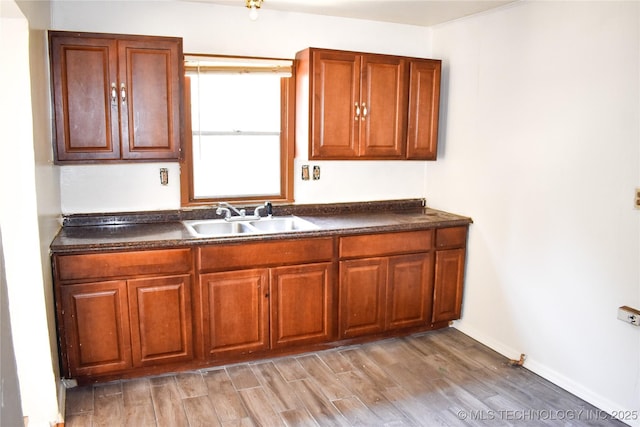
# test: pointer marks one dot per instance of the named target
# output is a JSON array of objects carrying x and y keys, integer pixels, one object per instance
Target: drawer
[
  {"x": 264, "y": 254},
  {"x": 122, "y": 264},
  {"x": 369, "y": 245},
  {"x": 453, "y": 237}
]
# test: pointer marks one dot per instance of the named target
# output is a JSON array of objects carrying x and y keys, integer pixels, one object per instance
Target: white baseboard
[
  {"x": 553, "y": 376},
  {"x": 63, "y": 385}
]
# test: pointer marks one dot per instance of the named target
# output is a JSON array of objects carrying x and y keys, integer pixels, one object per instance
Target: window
[{"x": 239, "y": 130}]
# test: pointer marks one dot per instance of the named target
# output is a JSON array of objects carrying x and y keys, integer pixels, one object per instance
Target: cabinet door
[
  {"x": 424, "y": 107},
  {"x": 161, "y": 320},
  {"x": 85, "y": 99},
  {"x": 449, "y": 277},
  {"x": 383, "y": 117},
  {"x": 335, "y": 97},
  {"x": 235, "y": 312},
  {"x": 96, "y": 328},
  {"x": 362, "y": 296},
  {"x": 301, "y": 304},
  {"x": 409, "y": 291},
  {"x": 150, "y": 73}
]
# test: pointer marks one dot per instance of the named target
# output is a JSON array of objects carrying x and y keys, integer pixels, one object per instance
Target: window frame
[{"x": 287, "y": 148}]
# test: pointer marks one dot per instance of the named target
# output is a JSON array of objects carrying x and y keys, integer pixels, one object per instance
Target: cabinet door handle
[
  {"x": 114, "y": 94},
  {"x": 123, "y": 93},
  {"x": 357, "y": 111},
  {"x": 364, "y": 111}
]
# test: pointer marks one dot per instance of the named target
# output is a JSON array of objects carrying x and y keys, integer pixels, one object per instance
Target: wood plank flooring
[{"x": 439, "y": 378}]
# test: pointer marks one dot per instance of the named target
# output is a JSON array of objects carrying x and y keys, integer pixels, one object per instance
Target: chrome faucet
[
  {"x": 227, "y": 208},
  {"x": 241, "y": 214}
]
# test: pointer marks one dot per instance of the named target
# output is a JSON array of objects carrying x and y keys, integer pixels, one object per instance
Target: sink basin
[
  {"x": 220, "y": 227},
  {"x": 283, "y": 224},
  {"x": 216, "y": 227}
]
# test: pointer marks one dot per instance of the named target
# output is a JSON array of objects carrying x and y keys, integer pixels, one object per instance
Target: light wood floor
[{"x": 439, "y": 378}]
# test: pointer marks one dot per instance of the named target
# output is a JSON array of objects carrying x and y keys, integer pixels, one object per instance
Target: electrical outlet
[
  {"x": 164, "y": 176},
  {"x": 629, "y": 315},
  {"x": 636, "y": 203}
]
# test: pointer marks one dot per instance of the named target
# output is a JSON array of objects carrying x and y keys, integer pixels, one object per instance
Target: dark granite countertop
[{"x": 93, "y": 233}]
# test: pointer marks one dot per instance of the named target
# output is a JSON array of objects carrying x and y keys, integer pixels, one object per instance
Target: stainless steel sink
[
  {"x": 283, "y": 225},
  {"x": 220, "y": 227},
  {"x": 216, "y": 227}
]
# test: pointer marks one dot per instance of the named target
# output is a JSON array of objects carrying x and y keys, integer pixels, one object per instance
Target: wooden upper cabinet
[
  {"x": 367, "y": 106},
  {"x": 151, "y": 73},
  {"x": 424, "y": 109},
  {"x": 383, "y": 111},
  {"x": 116, "y": 97},
  {"x": 335, "y": 86},
  {"x": 86, "y": 114},
  {"x": 358, "y": 105}
]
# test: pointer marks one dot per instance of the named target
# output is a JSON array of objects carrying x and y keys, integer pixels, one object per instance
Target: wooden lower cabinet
[
  {"x": 128, "y": 313},
  {"x": 449, "y": 273},
  {"x": 301, "y": 304},
  {"x": 161, "y": 321},
  {"x": 409, "y": 291},
  {"x": 247, "y": 311},
  {"x": 235, "y": 312},
  {"x": 362, "y": 296},
  {"x": 121, "y": 311},
  {"x": 117, "y": 325},
  {"x": 447, "y": 304},
  {"x": 95, "y": 322},
  {"x": 385, "y": 293}
]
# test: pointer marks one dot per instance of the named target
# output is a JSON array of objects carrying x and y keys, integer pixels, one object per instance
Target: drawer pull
[
  {"x": 114, "y": 94},
  {"x": 123, "y": 93}
]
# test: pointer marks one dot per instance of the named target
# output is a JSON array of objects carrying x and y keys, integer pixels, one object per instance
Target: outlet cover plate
[{"x": 629, "y": 315}]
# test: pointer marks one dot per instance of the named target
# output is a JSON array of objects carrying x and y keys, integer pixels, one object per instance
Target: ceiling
[{"x": 412, "y": 12}]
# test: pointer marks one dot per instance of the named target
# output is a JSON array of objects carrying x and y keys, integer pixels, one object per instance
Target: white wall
[
  {"x": 27, "y": 275},
  {"x": 541, "y": 146},
  {"x": 216, "y": 29}
]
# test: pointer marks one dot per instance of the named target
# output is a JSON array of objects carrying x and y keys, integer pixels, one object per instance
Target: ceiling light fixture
[{"x": 253, "y": 6}]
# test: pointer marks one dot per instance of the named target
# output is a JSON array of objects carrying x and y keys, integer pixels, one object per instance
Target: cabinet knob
[
  {"x": 364, "y": 111},
  {"x": 357, "y": 111}
]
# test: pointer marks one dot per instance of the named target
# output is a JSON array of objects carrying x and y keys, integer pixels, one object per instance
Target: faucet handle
[
  {"x": 267, "y": 206},
  {"x": 226, "y": 211}
]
